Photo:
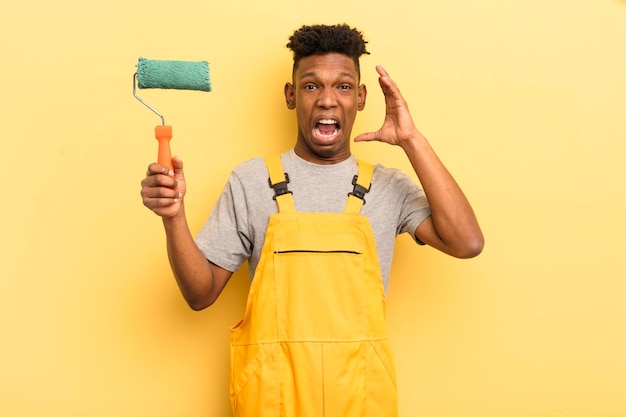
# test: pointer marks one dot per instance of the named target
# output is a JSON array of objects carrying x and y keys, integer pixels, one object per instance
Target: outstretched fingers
[
  {"x": 389, "y": 86},
  {"x": 398, "y": 124}
]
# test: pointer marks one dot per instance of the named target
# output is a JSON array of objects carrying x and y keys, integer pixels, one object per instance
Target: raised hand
[{"x": 398, "y": 126}]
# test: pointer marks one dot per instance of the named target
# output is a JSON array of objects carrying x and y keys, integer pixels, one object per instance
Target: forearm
[
  {"x": 452, "y": 216},
  {"x": 191, "y": 269}
]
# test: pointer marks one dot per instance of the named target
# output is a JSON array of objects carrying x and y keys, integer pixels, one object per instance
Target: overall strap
[
  {"x": 362, "y": 182},
  {"x": 278, "y": 181}
]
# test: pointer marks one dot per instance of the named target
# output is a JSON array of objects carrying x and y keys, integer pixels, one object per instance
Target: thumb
[
  {"x": 366, "y": 137},
  {"x": 177, "y": 163}
]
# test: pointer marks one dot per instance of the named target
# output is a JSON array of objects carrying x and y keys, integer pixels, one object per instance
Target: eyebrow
[{"x": 314, "y": 74}]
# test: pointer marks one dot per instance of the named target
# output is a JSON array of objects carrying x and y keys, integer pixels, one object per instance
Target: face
[{"x": 326, "y": 96}]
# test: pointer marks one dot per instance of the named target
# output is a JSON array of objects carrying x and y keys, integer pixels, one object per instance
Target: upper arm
[
  {"x": 221, "y": 277},
  {"x": 207, "y": 288},
  {"x": 427, "y": 234},
  {"x": 463, "y": 246}
]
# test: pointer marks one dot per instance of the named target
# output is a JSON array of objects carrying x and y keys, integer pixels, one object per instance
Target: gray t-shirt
[{"x": 235, "y": 231}]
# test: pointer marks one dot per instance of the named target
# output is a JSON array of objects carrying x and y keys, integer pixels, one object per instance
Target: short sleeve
[
  {"x": 415, "y": 209},
  {"x": 225, "y": 238}
]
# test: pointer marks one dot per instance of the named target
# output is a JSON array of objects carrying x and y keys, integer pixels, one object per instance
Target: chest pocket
[{"x": 303, "y": 262}]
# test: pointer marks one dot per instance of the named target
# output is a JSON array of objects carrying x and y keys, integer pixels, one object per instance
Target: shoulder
[
  {"x": 249, "y": 180},
  {"x": 387, "y": 176},
  {"x": 392, "y": 186},
  {"x": 253, "y": 165},
  {"x": 256, "y": 166},
  {"x": 249, "y": 173}
]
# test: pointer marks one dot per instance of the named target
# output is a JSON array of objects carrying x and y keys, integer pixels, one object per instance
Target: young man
[{"x": 312, "y": 341}]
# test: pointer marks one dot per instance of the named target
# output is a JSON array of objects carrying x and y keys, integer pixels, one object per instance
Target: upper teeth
[{"x": 327, "y": 122}]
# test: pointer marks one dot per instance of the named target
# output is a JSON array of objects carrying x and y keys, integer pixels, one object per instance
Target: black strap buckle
[
  {"x": 359, "y": 191},
  {"x": 280, "y": 188}
]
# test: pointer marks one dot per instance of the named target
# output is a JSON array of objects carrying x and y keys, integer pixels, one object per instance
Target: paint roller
[{"x": 178, "y": 75}]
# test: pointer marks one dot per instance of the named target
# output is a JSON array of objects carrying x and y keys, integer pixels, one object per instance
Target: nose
[{"x": 327, "y": 98}]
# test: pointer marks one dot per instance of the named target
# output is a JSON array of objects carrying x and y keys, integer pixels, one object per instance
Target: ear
[
  {"x": 290, "y": 97},
  {"x": 362, "y": 95}
]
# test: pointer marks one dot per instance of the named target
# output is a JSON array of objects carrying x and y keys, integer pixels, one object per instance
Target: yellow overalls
[{"x": 313, "y": 340}]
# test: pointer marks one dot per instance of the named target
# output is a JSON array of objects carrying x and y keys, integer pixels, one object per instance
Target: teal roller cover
[{"x": 178, "y": 75}]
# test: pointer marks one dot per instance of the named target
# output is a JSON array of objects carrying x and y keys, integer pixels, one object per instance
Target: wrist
[
  {"x": 175, "y": 218},
  {"x": 414, "y": 142}
]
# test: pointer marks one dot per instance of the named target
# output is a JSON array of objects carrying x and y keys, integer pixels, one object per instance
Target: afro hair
[{"x": 325, "y": 39}]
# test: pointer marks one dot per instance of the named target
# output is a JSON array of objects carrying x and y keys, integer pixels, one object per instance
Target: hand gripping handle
[{"x": 163, "y": 135}]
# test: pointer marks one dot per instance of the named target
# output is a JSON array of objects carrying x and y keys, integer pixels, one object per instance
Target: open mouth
[{"x": 326, "y": 129}]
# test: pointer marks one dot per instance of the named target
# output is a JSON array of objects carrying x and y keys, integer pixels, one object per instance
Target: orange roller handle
[{"x": 163, "y": 135}]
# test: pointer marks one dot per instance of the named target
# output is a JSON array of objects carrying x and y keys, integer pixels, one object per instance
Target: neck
[{"x": 330, "y": 158}]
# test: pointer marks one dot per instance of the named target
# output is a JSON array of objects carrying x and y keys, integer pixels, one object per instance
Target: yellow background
[{"x": 524, "y": 100}]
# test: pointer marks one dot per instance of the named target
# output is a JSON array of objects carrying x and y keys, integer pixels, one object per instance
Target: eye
[
  {"x": 310, "y": 87},
  {"x": 345, "y": 87}
]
